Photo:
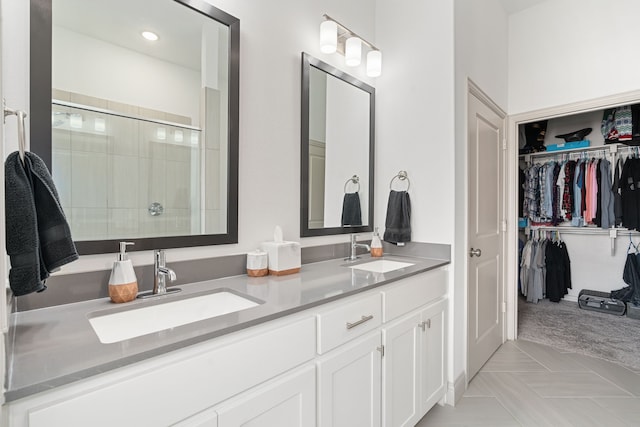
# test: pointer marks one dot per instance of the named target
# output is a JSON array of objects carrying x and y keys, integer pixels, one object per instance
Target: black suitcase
[{"x": 600, "y": 301}]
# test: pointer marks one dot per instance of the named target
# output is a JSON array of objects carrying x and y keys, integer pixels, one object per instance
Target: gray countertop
[{"x": 55, "y": 346}]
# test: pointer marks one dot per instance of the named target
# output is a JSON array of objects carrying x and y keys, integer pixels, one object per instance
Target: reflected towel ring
[
  {"x": 355, "y": 180},
  {"x": 402, "y": 175}
]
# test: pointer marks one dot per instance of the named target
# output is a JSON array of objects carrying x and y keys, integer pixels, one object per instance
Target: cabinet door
[
  {"x": 433, "y": 360},
  {"x": 349, "y": 380},
  {"x": 288, "y": 401},
  {"x": 400, "y": 372},
  {"x": 207, "y": 418}
]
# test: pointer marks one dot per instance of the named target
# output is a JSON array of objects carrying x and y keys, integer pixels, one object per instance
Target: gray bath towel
[
  {"x": 398, "y": 222},
  {"x": 351, "y": 210},
  {"x": 38, "y": 235}
]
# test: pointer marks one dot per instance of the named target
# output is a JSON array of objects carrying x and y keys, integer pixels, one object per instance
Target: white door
[
  {"x": 486, "y": 156},
  {"x": 349, "y": 382},
  {"x": 289, "y": 401},
  {"x": 400, "y": 375}
]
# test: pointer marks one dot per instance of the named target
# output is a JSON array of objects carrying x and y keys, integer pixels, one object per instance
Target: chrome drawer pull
[{"x": 359, "y": 322}]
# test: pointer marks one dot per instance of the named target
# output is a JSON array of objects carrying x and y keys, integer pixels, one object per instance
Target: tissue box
[{"x": 284, "y": 257}]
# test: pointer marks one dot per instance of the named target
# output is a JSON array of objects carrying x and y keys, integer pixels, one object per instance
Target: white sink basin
[
  {"x": 381, "y": 266},
  {"x": 145, "y": 319}
]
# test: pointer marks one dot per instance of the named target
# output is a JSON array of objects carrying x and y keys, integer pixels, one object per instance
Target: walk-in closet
[{"x": 579, "y": 216}]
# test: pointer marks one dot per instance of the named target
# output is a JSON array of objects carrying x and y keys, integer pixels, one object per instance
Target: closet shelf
[{"x": 609, "y": 148}]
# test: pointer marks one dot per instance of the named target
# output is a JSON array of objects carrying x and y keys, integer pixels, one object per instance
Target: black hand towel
[
  {"x": 23, "y": 245},
  {"x": 398, "y": 222},
  {"x": 56, "y": 244},
  {"x": 38, "y": 236},
  {"x": 351, "y": 210}
]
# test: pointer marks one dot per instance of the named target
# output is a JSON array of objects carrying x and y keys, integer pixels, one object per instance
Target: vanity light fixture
[
  {"x": 335, "y": 37},
  {"x": 353, "y": 52},
  {"x": 149, "y": 35},
  {"x": 177, "y": 136},
  {"x": 161, "y": 134},
  {"x": 374, "y": 63},
  {"x": 328, "y": 37}
]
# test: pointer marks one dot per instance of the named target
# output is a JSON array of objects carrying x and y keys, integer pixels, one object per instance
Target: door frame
[
  {"x": 511, "y": 255},
  {"x": 474, "y": 89}
]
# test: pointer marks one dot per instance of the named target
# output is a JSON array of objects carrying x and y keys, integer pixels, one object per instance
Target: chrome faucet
[
  {"x": 354, "y": 246},
  {"x": 161, "y": 272}
]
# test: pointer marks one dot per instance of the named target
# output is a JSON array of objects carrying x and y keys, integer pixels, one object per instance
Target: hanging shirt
[
  {"x": 617, "y": 192},
  {"x": 606, "y": 196},
  {"x": 578, "y": 182},
  {"x": 560, "y": 185}
]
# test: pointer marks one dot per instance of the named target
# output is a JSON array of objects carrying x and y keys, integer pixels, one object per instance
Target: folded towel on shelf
[
  {"x": 38, "y": 235},
  {"x": 351, "y": 210},
  {"x": 398, "y": 222}
]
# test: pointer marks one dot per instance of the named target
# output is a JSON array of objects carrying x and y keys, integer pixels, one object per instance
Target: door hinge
[
  {"x": 504, "y": 307},
  {"x": 504, "y": 225},
  {"x": 381, "y": 350},
  {"x": 504, "y": 143}
]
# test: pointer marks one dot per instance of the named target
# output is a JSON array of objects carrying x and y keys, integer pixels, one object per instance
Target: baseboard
[{"x": 456, "y": 390}]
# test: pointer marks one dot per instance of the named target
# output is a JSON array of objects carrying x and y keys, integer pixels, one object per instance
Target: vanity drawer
[
  {"x": 413, "y": 292},
  {"x": 346, "y": 321}
]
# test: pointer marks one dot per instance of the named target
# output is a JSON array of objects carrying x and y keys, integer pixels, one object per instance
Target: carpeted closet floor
[{"x": 566, "y": 327}]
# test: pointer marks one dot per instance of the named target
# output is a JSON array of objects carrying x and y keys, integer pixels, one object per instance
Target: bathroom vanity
[{"x": 337, "y": 344}]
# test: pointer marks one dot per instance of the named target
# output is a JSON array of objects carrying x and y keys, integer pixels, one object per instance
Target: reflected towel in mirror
[{"x": 351, "y": 211}]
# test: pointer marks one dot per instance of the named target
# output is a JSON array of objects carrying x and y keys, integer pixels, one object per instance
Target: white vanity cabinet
[
  {"x": 171, "y": 388},
  {"x": 394, "y": 373},
  {"x": 377, "y": 358},
  {"x": 414, "y": 363}
]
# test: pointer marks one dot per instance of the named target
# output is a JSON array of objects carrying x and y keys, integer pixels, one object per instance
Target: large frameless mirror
[
  {"x": 337, "y": 151},
  {"x": 134, "y": 107}
]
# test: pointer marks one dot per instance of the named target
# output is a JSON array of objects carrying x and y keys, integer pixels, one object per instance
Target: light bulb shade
[
  {"x": 353, "y": 52},
  {"x": 374, "y": 63},
  {"x": 328, "y": 37}
]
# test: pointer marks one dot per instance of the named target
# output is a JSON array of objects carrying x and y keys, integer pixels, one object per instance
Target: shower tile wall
[{"x": 109, "y": 169}]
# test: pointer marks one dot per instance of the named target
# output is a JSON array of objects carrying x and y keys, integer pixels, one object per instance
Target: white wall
[
  {"x": 414, "y": 112},
  {"x": 415, "y": 120},
  {"x": 565, "y": 51},
  {"x": 481, "y": 30}
]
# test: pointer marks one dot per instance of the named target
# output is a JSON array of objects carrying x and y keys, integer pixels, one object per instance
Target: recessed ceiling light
[{"x": 150, "y": 36}]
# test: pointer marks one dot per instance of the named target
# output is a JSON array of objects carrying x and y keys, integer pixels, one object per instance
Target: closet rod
[
  {"x": 607, "y": 149},
  {"x": 613, "y": 233}
]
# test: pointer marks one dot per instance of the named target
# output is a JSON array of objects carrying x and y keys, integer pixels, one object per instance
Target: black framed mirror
[
  {"x": 337, "y": 151},
  {"x": 141, "y": 138}
]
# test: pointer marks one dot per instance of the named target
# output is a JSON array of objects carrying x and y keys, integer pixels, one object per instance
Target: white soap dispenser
[
  {"x": 123, "y": 285},
  {"x": 376, "y": 244}
]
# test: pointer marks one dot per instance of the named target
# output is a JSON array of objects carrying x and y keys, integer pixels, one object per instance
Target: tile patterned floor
[{"x": 529, "y": 384}]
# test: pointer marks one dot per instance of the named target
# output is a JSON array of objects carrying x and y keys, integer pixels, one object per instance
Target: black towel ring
[
  {"x": 402, "y": 176},
  {"x": 355, "y": 180},
  {"x": 21, "y": 128}
]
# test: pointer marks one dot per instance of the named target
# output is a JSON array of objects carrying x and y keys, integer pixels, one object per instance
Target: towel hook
[
  {"x": 21, "y": 128},
  {"x": 355, "y": 180},
  {"x": 402, "y": 176}
]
